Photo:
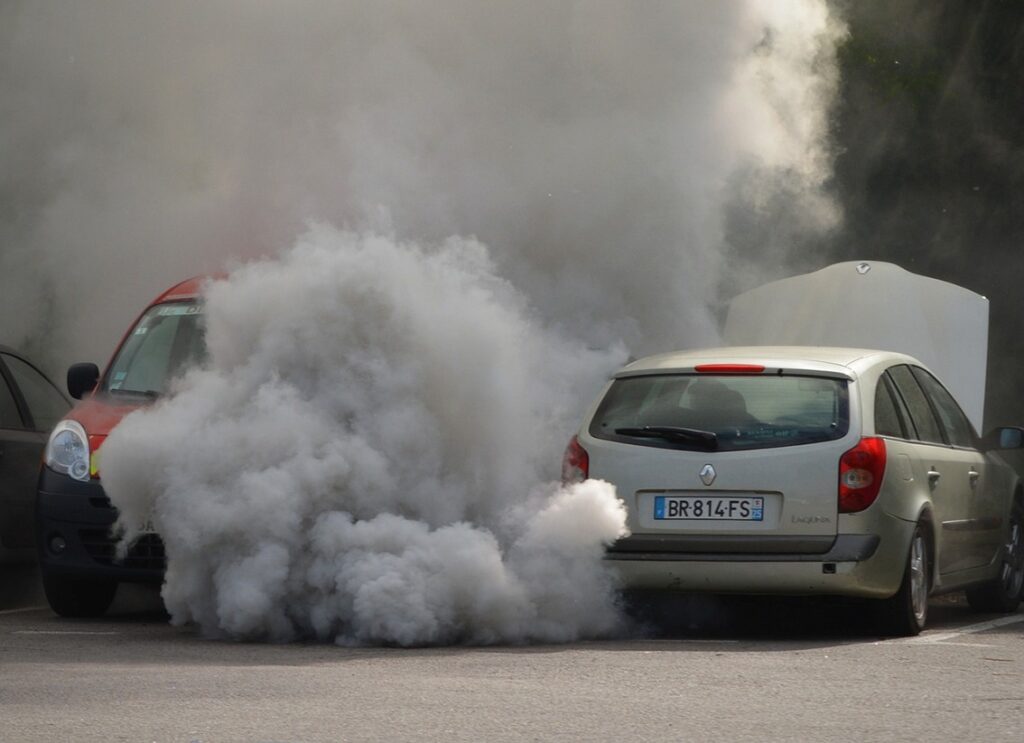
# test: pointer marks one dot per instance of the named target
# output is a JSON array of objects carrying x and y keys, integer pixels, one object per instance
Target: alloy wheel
[
  {"x": 1013, "y": 560},
  {"x": 919, "y": 578}
]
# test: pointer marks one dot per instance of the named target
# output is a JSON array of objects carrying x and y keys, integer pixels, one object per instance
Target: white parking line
[
  {"x": 59, "y": 632},
  {"x": 968, "y": 630},
  {"x": 21, "y": 611},
  {"x": 967, "y": 644}
]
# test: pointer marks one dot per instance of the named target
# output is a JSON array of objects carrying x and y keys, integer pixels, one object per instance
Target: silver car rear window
[{"x": 681, "y": 411}]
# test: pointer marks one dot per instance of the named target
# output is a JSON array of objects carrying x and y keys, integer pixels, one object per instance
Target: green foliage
[
  {"x": 912, "y": 76},
  {"x": 930, "y": 127}
]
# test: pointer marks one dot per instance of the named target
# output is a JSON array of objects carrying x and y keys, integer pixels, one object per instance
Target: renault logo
[{"x": 708, "y": 474}]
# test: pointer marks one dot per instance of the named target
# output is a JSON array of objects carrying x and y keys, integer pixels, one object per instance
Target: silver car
[{"x": 805, "y": 470}]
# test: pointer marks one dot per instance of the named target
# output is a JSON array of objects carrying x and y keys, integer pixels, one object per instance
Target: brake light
[
  {"x": 729, "y": 369},
  {"x": 575, "y": 463},
  {"x": 860, "y": 474}
]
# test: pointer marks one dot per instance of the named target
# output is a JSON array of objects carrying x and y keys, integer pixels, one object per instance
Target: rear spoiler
[{"x": 766, "y": 371}]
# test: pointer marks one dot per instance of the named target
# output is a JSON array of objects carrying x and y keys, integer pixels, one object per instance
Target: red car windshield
[{"x": 168, "y": 339}]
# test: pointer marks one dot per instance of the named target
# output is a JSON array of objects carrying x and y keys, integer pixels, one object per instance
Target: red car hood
[{"x": 99, "y": 415}]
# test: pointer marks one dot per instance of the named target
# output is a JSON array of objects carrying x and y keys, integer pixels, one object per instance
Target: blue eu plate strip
[{"x": 659, "y": 507}]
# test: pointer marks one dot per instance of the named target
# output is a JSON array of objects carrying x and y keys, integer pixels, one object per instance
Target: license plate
[{"x": 708, "y": 508}]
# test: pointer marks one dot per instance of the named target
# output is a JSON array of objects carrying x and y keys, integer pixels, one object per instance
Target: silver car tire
[
  {"x": 906, "y": 612},
  {"x": 1003, "y": 594}
]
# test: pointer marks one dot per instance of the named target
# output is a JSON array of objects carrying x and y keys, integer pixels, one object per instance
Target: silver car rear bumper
[{"x": 866, "y": 565}]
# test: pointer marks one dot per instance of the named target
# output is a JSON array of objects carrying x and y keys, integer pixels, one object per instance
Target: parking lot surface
[{"x": 797, "y": 672}]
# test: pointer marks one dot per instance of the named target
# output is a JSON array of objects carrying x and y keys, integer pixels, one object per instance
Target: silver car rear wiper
[{"x": 706, "y": 439}]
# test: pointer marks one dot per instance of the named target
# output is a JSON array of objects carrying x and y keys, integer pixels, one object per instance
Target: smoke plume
[
  {"x": 592, "y": 146},
  {"x": 365, "y": 455},
  {"x": 356, "y": 465}
]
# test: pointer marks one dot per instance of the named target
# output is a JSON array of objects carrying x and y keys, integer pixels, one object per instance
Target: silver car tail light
[{"x": 860, "y": 474}]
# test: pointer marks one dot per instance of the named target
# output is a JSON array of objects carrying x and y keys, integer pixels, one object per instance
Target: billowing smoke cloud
[
  {"x": 359, "y": 464},
  {"x": 590, "y": 145},
  {"x": 364, "y": 456}
]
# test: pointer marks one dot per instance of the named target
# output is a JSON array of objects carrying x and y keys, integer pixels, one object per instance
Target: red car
[{"x": 80, "y": 569}]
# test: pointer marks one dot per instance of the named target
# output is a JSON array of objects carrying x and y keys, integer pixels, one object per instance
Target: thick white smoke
[
  {"x": 590, "y": 145},
  {"x": 361, "y": 457},
  {"x": 364, "y": 458}
]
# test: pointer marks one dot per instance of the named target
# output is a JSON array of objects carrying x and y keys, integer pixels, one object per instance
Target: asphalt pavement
[{"x": 708, "y": 670}]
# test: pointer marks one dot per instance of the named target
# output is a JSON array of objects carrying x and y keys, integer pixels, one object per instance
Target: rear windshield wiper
[
  {"x": 706, "y": 439},
  {"x": 151, "y": 394}
]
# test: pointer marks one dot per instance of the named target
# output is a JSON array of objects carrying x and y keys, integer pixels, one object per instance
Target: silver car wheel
[
  {"x": 1003, "y": 592},
  {"x": 919, "y": 578},
  {"x": 1013, "y": 560}
]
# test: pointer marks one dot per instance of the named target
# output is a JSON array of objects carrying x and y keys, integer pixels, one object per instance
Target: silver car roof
[{"x": 846, "y": 363}]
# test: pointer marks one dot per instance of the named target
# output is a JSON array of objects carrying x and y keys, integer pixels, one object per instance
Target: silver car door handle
[
  {"x": 933, "y": 476},
  {"x": 973, "y": 476}
]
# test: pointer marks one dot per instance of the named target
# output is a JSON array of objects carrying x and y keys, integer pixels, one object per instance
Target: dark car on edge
[{"x": 30, "y": 405}]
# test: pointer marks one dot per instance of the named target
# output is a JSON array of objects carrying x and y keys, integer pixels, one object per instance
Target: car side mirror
[
  {"x": 82, "y": 378},
  {"x": 1007, "y": 437}
]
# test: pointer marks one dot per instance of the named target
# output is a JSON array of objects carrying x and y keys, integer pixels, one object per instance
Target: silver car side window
[
  {"x": 921, "y": 413},
  {"x": 958, "y": 428},
  {"x": 888, "y": 421}
]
